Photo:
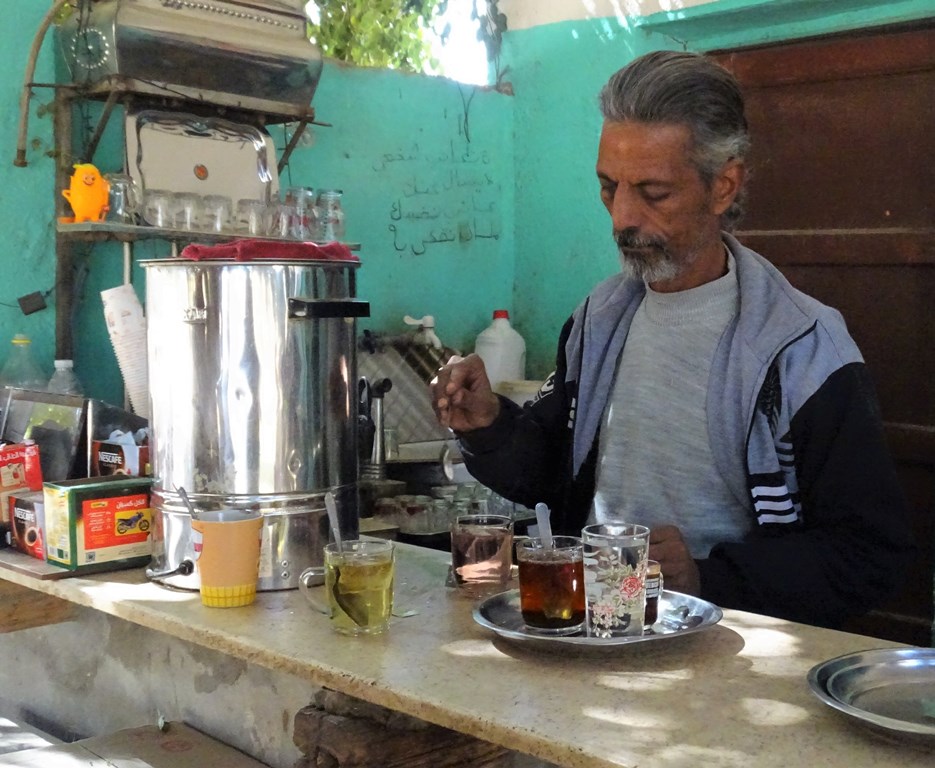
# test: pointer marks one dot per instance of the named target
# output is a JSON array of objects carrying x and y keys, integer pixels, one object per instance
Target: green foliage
[
  {"x": 377, "y": 33},
  {"x": 397, "y": 34}
]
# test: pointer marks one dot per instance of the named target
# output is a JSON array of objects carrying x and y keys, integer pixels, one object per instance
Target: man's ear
[{"x": 726, "y": 185}]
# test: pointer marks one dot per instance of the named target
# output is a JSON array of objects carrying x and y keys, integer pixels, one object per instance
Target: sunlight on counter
[
  {"x": 773, "y": 713},
  {"x": 473, "y": 648},
  {"x": 645, "y": 681},
  {"x": 111, "y": 592},
  {"x": 629, "y": 718}
]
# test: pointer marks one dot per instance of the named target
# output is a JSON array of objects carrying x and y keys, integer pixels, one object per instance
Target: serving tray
[
  {"x": 890, "y": 690},
  {"x": 679, "y": 615}
]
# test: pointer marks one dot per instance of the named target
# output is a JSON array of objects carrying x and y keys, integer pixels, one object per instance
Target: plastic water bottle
[
  {"x": 64, "y": 381},
  {"x": 20, "y": 369},
  {"x": 502, "y": 349}
]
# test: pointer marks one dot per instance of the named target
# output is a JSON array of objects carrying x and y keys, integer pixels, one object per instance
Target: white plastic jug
[{"x": 502, "y": 349}]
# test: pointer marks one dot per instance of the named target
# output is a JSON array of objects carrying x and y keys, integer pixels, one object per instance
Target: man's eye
[
  {"x": 607, "y": 190},
  {"x": 655, "y": 197}
]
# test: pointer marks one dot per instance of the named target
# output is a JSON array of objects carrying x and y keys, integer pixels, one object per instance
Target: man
[{"x": 698, "y": 392}]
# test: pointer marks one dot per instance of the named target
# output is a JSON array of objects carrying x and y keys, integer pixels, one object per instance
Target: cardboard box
[
  {"x": 98, "y": 523},
  {"x": 19, "y": 470},
  {"x": 109, "y": 458},
  {"x": 27, "y": 523},
  {"x": 179, "y": 746}
]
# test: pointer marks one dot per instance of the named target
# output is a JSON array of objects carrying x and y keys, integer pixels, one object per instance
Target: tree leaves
[
  {"x": 396, "y": 34},
  {"x": 376, "y": 33}
]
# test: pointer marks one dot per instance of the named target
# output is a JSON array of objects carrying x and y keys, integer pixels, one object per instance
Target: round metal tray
[
  {"x": 679, "y": 615},
  {"x": 891, "y": 690}
]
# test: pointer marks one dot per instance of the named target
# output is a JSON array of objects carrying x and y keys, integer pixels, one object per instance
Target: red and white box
[
  {"x": 19, "y": 471},
  {"x": 27, "y": 523}
]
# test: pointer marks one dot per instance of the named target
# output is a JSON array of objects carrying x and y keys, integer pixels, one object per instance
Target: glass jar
[
  {"x": 304, "y": 217},
  {"x": 330, "y": 215},
  {"x": 124, "y": 199}
]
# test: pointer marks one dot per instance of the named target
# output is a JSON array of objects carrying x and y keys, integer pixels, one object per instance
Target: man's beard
[{"x": 647, "y": 258}]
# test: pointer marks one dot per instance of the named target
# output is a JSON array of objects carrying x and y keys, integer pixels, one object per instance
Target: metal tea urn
[{"x": 253, "y": 392}]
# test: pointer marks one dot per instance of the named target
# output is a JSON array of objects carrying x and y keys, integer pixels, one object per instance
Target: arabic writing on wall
[{"x": 445, "y": 197}]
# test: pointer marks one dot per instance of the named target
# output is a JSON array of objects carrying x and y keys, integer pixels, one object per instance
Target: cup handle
[
  {"x": 517, "y": 540},
  {"x": 308, "y": 580}
]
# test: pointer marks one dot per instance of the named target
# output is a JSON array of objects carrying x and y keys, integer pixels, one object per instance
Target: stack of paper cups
[{"x": 127, "y": 328}]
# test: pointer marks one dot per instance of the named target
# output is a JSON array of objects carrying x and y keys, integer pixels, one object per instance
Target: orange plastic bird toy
[{"x": 88, "y": 195}]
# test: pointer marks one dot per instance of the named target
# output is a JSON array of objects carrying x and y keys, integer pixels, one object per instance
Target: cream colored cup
[{"x": 227, "y": 556}]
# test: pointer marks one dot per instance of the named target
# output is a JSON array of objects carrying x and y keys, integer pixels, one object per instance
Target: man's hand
[
  {"x": 679, "y": 572},
  {"x": 461, "y": 395}
]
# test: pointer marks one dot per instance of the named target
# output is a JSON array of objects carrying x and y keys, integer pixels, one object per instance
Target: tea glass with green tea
[{"x": 358, "y": 586}]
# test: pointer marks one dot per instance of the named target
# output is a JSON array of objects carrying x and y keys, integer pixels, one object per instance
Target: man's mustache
[{"x": 630, "y": 239}]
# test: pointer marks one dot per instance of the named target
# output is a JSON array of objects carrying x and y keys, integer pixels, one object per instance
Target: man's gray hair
[{"x": 685, "y": 89}]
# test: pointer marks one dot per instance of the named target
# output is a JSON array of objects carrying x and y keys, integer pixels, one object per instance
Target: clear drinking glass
[
  {"x": 551, "y": 585},
  {"x": 251, "y": 217},
  {"x": 330, "y": 215},
  {"x": 157, "y": 207},
  {"x": 124, "y": 199},
  {"x": 281, "y": 218},
  {"x": 303, "y": 215},
  {"x": 615, "y": 559},
  {"x": 187, "y": 211},
  {"x": 216, "y": 211},
  {"x": 358, "y": 586},
  {"x": 481, "y": 553}
]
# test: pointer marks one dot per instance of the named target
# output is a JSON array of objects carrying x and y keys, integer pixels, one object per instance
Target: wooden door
[{"x": 842, "y": 200}]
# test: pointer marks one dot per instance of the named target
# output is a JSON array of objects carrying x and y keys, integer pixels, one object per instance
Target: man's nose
[{"x": 625, "y": 210}]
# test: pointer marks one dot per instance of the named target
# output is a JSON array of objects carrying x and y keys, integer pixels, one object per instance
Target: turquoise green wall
[
  {"x": 563, "y": 244},
  {"x": 426, "y": 166},
  {"x": 433, "y": 159},
  {"x": 27, "y": 255}
]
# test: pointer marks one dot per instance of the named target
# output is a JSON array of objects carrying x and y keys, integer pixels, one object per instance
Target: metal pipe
[
  {"x": 20, "y": 161},
  {"x": 127, "y": 262}
]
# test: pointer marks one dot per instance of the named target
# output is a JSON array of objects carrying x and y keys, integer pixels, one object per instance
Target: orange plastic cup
[{"x": 227, "y": 556}]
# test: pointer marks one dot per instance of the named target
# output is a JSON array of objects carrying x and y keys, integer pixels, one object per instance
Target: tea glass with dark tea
[
  {"x": 481, "y": 553},
  {"x": 551, "y": 585}
]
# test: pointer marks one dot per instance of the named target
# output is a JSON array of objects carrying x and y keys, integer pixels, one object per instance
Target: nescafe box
[
  {"x": 108, "y": 458},
  {"x": 19, "y": 470},
  {"x": 98, "y": 523},
  {"x": 27, "y": 523}
]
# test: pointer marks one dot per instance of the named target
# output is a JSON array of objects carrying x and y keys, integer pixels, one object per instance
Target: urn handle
[{"x": 327, "y": 308}]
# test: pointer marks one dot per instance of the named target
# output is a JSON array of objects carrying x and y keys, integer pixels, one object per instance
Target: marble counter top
[{"x": 734, "y": 695}]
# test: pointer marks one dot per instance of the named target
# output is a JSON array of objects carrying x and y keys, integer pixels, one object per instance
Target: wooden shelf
[{"x": 102, "y": 231}]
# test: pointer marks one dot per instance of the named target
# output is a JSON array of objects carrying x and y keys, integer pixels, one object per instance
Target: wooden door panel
[
  {"x": 890, "y": 312},
  {"x": 843, "y": 155},
  {"x": 842, "y": 200}
]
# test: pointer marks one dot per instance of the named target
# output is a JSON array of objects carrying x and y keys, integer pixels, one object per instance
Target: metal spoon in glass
[{"x": 332, "y": 510}]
